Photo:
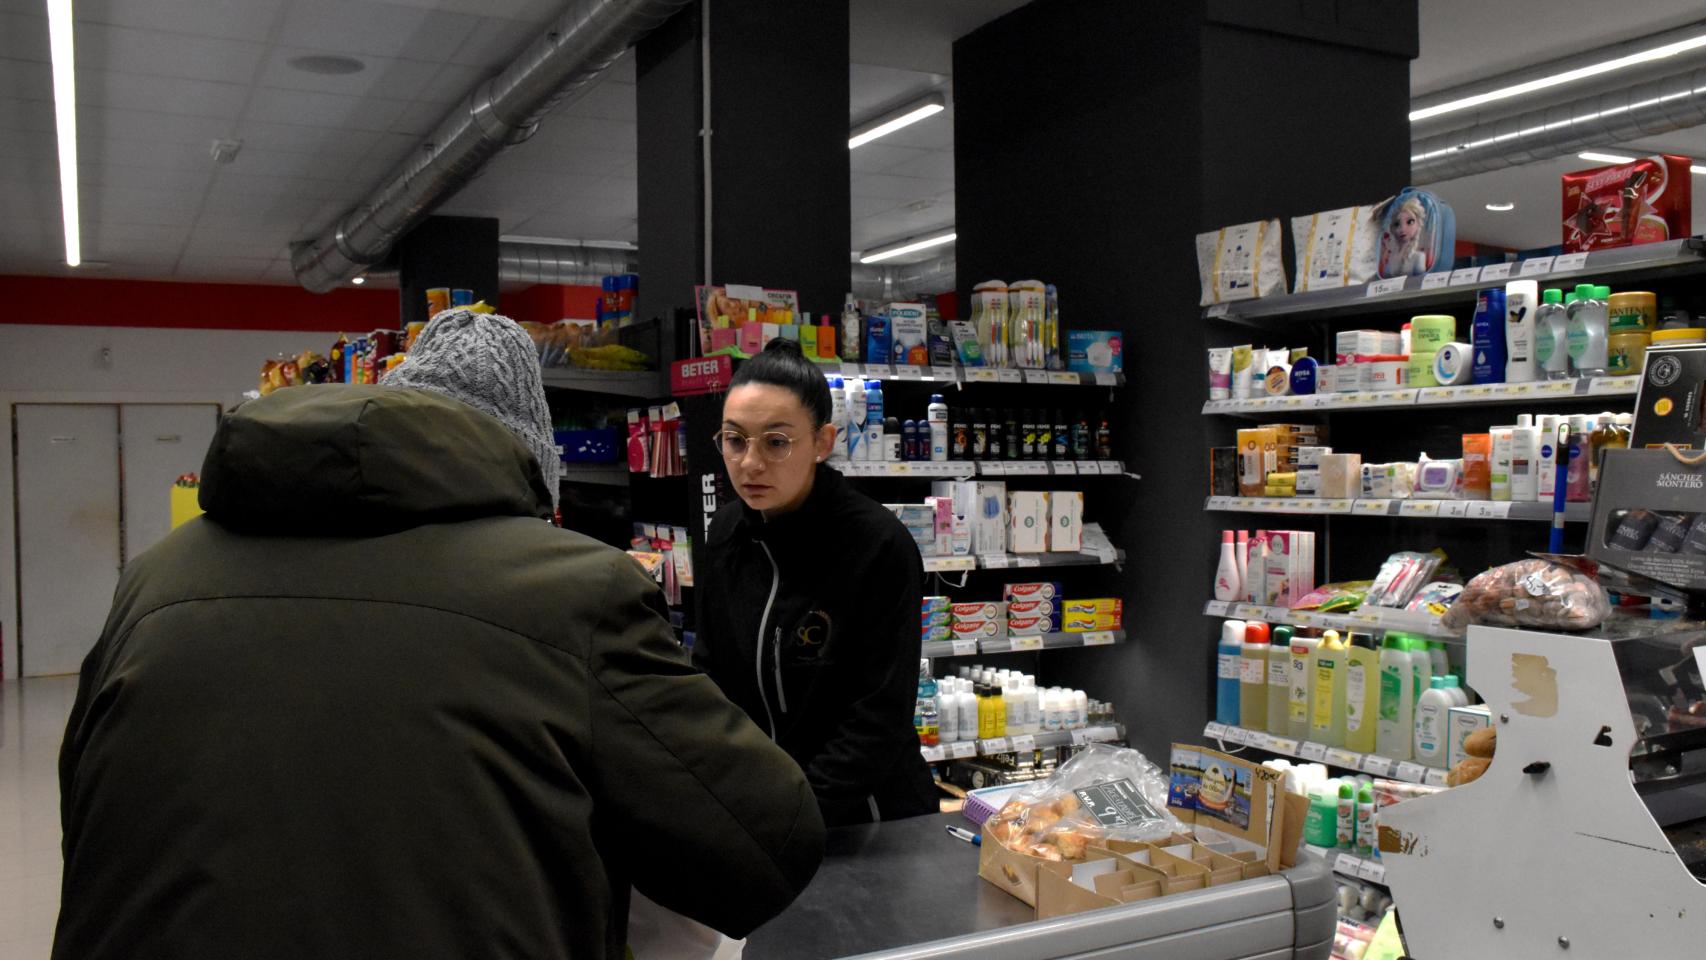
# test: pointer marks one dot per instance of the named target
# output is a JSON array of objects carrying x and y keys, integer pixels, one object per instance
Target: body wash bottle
[
  {"x": 1226, "y": 685},
  {"x": 1279, "y": 681},
  {"x": 1522, "y": 303},
  {"x": 1525, "y": 456},
  {"x": 1327, "y": 692},
  {"x": 1552, "y": 336},
  {"x": 1587, "y": 323},
  {"x": 1300, "y": 677},
  {"x": 1253, "y": 677},
  {"x": 1396, "y": 727},
  {"x": 1362, "y": 693}
]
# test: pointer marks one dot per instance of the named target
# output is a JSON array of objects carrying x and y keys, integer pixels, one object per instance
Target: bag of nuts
[{"x": 1530, "y": 593}]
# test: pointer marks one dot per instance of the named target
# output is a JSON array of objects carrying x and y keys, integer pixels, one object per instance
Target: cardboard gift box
[
  {"x": 1648, "y": 519},
  {"x": 1671, "y": 405},
  {"x": 1642, "y": 201}
]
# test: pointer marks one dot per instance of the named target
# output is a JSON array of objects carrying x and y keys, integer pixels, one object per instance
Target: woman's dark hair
[{"x": 782, "y": 364}]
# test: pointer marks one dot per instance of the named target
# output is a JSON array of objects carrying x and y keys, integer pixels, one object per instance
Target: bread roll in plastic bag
[
  {"x": 1104, "y": 792},
  {"x": 1530, "y": 593},
  {"x": 1240, "y": 262}
]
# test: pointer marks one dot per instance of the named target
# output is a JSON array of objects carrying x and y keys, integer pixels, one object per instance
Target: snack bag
[
  {"x": 1104, "y": 792},
  {"x": 1530, "y": 593}
]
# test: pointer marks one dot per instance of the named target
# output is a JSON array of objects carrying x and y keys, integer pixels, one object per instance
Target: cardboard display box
[
  {"x": 1671, "y": 405},
  {"x": 1640, "y": 492}
]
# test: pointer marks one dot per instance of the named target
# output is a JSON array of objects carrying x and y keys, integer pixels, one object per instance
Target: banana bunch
[{"x": 612, "y": 356}]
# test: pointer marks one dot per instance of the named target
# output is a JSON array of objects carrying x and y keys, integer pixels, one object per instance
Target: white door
[
  {"x": 162, "y": 442},
  {"x": 67, "y": 483}
]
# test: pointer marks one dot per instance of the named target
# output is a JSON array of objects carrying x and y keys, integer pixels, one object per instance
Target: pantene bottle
[
  {"x": 1299, "y": 675},
  {"x": 1253, "y": 678},
  {"x": 1279, "y": 680},
  {"x": 1327, "y": 691},
  {"x": 1362, "y": 693}
]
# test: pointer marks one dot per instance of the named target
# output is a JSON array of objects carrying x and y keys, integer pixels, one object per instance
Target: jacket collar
[{"x": 828, "y": 488}]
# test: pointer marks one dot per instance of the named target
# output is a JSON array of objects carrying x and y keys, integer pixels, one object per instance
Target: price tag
[
  {"x": 1010, "y": 375},
  {"x": 879, "y": 371},
  {"x": 1496, "y": 271},
  {"x": 1489, "y": 509},
  {"x": 962, "y": 749},
  {"x": 1346, "y": 865},
  {"x": 1380, "y": 288},
  {"x": 1555, "y": 388},
  {"x": 1419, "y": 508},
  {"x": 1312, "y": 751},
  {"x": 1221, "y": 608},
  {"x": 1454, "y": 508},
  {"x": 1024, "y": 744},
  {"x": 1097, "y": 638},
  {"x": 1027, "y": 562},
  {"x": 1259, "y": 740},
  {"x": 1517, "y": 389},
  {"x": 1215, "y": 731},
  {"x": 1064, "y": 378},
  {"x": 852, "y": 370},
  {"x": 1335, "y": 506},
  {"x": 1394, "y": 398},
  {"x": 908, "y": 371},
  {"x": 1434, "y": 281},
  {"x": 1605, "y": 386},
  {"x": 1217, "y": 311},
  {"x": 994, "y": 745},
  {"x": 1218, "y": 503},
  {"x": 1250, "y": 611},
  {"x": 1238, "y": 734},
  {"x": 994, "y": 561},
  {"x": 1377, "y": 765},
  {"x": 1293, "y": 403},
  {"x": 1427, "y": 395},
  {"x": 1344, "y": 758},
  {"x": 900, "y": 470},
  {"x": 982, "y": 375},
  {"x": 1284, "y": 745},
  {"x": 1435, "y": 778},
  {"x": 1107, "y": 379},
  {"x": 1371, "y": 508},
  {"x": 942, "y": 373},
  {"x": 1035, "y": 376},
  {"x": 1535, "y": 266},
  {"x": 1568, "y": 262},
  {"x": 1411, "y": 772},
  {"x": 1324, "y": 401},
  {"x": 965, "y": 648},
  {"x": 992, "y": 468},
  {"x": 1373, "y": 871},
  {"x": 1064, "y": 468},
  {"x": 1038, "y": 469},
  {"x": 1306, "y": 618},
  {"x": 1465, "y": 276},
  {"x": 1111, "y": 468},
  {"x": 934, "y": 754},
  {"x": 1364, "y": 616}
]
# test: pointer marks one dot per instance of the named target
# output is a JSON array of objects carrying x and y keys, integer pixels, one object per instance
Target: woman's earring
[{"x": 819, "y": 459}]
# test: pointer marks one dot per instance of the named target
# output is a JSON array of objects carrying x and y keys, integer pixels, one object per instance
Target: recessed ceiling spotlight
[
  {"x": 326, "y": 64},
  {"x": 1501, "y": 207},
  {"x": 358, "y": 281}
]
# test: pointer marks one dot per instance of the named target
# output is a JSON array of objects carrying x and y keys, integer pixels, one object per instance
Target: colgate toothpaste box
[
  {"x": 1643, "y": 201},
  {"x": 978, "y": 629},
  {"x": 1031, "y": 591},
  {"x": 1031, "y": 626},
  {"x": 1034, "y": 608}
]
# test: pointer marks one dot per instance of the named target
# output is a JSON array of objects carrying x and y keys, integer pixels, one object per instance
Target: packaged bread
[
  {"x": 1530, "y": 593},
  {"x": 1050, "y": 819},
  {"x": 1482, "y": 743}
]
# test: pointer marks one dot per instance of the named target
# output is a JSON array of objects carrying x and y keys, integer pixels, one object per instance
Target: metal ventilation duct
[
  {"x": 562, "y": 263},
  {"x": 886, "y": 282},
  {"x": 562, "y": 63},
  {"x": 1605, "y": 120}
]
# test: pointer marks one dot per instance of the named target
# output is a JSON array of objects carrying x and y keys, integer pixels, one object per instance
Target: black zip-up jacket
[
  {"x": 810, "y": 623},
  {"x": 373, "y": 705}
]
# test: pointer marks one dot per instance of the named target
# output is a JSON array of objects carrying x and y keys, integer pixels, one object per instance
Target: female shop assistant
[{"x": 809, "y": 619}]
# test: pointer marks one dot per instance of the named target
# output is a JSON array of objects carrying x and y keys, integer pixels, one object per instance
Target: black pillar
[
  {"x": 1170, "y": 119},
  {"x": 779, "y": 210},
  {"x": 455, "y": 252}
]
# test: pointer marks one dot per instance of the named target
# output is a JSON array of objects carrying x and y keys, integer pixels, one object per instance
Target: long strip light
[
  {"x": 894, "y": 120},
  {"x": 1556, "y": 79},
  {"x": 65, "y": 120},
  {"x": 1598, "y": 157},
  {"x": 907, "y": 246}
]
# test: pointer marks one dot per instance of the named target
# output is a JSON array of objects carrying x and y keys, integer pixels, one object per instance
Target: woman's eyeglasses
[{"x": 774, "y": 447}]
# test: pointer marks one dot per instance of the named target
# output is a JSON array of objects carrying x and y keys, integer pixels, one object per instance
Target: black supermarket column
[
  {"x": 1093, "y": 140},
  {"x": 455, "y": 252}
]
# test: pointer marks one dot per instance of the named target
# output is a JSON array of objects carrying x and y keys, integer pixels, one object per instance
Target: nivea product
[{"x": 1487, "y": 337}]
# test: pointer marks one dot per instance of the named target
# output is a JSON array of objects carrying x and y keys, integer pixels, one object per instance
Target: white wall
[{"x": 61, "y": 364}]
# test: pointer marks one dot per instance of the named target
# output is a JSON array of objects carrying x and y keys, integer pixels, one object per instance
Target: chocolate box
[{"x": 1643, "y": 201}]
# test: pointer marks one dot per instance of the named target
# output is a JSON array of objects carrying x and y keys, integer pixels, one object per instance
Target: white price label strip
[
  {"x": 1346, "y": 865},
  {"x": 994, "y": 746},
  {"x": 1217, "y": 310},
  {"x": 965, "y": 648},
  {"x": 908, "y": 371},
  {"x": 1434, "y": 281},
  {"x": 1064, "y": 378},
  {"x": 1411, "y": 772},
  {"x": 1454, "y": 508},
  {"x": 1377, "y": 765},
  {"x": 1097, "y": 638},
  {"x": 1249, "y": 611},
  {"x": 982, "y": 375},
  {"x": 1107, "y": 379},
  {"x": 1371, "y": 508},
  {"x": 1064, "y": 469},
  {"x": 1217, "y": 731},
  {"x": 1489, "y": 510},
  {"x": 1221, "y": 608},
  {"x": 1465, "y": 276},
  {"x": 1535, "y": 266},
  {"x": 934, "y": 754},
  {"x": 1419, "y": 508},
  {"x": 1372, "y": 870},
  {"x": 1435, "y": 778},
  {"x": 1381, "y": 288},
  {"x": 942, "y": 373},
  {"x": 1344, "y": 758},
  {"x": 1312, "y": 751},
  {"x": 994, "y": 561},
  {"x": 1496, "y": 271},
  {"x": 1009, "y": 375},
  {"x": 962, "y": 749},
  {"x": 1555, "y": 388},
  {"x": 1024, "y": 744},
  {"x": 1036, "y": 376},
  {"x": 1565, "y": 262},
  {"x": 1026, "y": 643},
  {"x": 1283, "y": 745}
]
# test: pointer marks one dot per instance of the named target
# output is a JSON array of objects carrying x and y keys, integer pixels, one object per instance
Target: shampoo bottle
[
  {"x": 1487, "y": 332},
  {"x": 1362, "y": 693},
  {"x": 1298, "y": 673},
  {"x": 1253, "y": 677},
  {"x": 1327, "y": 692},
  {"x": 1522, "y": 303},
  {"x": 1431, "y": 729},
  {"x": 1552, "y": 336},
  {"x": 1501, "y": 463},
  {"x": 1396, "y": 727},
  {"x": 1226, "y": 687},
  {"x": 1279, "y": 681},
  {"x": 1421, "y": 665}
]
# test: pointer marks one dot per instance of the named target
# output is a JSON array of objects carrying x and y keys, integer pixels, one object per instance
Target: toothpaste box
[
  {"x": 1460, "y": 723},
  {"x": 937, "y": 634},
  {"x": 979, "y": 629},
  {"x": 1027, "y": 521},
  {"x": 1066, "y": 521},
  {"x": 1030, "y": 626},
  {"x": 1084, "y": 622},
  {"x": 1098, "y": 605},
  {"x": 1040, "y": 607},
  {"x": 1030, "y": 591},
  {"x": 936, "y": 618},
  {"x": 935, "y": 603},
  {"x": 988, "y": 610}
]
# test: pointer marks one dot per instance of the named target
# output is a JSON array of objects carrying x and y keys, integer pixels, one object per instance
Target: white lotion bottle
[
  {"x": 1500, "y": 468},
  {"x": 1228, "y": 585},
  {"x": 937, "y": 416},
  {"x": 1525, "y": 456},
  {"x": 1522, "y": 305},
  {"x": 1432, "y": 711}
]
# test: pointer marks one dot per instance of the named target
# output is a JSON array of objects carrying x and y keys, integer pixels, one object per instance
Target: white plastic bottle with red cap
[{"x": 1228, "y": 585}]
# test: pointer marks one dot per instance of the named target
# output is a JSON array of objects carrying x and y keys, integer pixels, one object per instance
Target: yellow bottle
[
  {"x": 985, "y": 713},
  {"x": 1362, "y": 694},
  {"x": 1327, "y": 693},
  {"x": 998, "y": 712}
]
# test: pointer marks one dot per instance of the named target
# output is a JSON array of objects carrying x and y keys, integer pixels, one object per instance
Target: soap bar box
[{"x": 1028, "y": 521}]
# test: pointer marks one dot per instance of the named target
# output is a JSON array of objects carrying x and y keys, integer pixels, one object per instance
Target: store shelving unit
[
  {"x": 643, "y": 384},
  {"x": 957, "y": 374},
  {"x": 1484, "y": 394},
  {"x": 1020, "y": 561},
  {"x": 606, "y": 474},
  {"x": 960, "y": 469},
  {"x": 1350, "y": 865},
  {"x": 966, "y": 749},
  {"x": 1371, "y": 618},
  {"x": 1337, "y": 757},
  {"x": 1419, "y": 509},
  {"x": 939, "y": 649}
]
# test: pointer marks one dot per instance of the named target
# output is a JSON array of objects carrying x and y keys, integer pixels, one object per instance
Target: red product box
[
  {"x": 1643, "y": 201},
  {"x": 1033, "y": 608}
]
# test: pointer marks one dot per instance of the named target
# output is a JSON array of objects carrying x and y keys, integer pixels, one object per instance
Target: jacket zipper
[
  {"x": 763, "y": 626},
  {"x": 781, "y": 694}
]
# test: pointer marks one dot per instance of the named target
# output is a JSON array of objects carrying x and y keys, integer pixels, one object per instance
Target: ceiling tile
[
  {"x": 891, "y": 187},
  {"x": 879, "y": 157},
  {"x": 186, "y": 181},
  {"x": 330, "y": 110},
  {"x": 148, "y": 158},
  {"x": 382, "y": 77},
  {"x": 419, "y": 119},
  {"x": 24, "y": 36},
  {"x": 27, "y": 79},
  {"x": 148, "y": 126},
  {"x": 26, "y": 117},
  {"x": 935, "y": 165},
  {"x": 155, "y": 53},
  {"x": 450, "y": 82},
  {"x": 605, "y": 100},
  {"x": 224, "y": 19},
  {"x": 365, "y": 27},
  {"x": 240, "y": 269},
  {"x": 493, "y": 43},
  {"x": 335, "y": 147},
  {"x": 155, "y": 94},
  {"x": 533, "y": 11}
]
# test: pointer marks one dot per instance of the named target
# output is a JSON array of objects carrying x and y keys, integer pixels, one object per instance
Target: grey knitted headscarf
[{"x": 488, "y": 362}]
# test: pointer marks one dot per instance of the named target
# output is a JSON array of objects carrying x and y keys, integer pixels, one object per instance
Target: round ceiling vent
[{"x": 327, "y": 65}]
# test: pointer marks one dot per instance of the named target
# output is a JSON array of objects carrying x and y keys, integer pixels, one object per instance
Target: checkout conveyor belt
[{"x": 906, "y": 890}]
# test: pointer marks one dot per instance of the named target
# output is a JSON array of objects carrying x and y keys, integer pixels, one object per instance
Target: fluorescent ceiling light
[
  {"x": 1568, "y": 76},
  {"x": 889, "y": 122},
  {"x": 1501, "y": 207},
  {"x": 65, "y": 120},
  {"x": 906, "y": 247},
  {"x": 1697, "y": 170},
  {"x": 1598, "y": 157}
]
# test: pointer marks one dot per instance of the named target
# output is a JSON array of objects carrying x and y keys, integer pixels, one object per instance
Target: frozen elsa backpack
[{"x": 1418, "y": 234}]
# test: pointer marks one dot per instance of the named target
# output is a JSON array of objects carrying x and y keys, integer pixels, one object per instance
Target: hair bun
[{"x": 784, "y": 345}]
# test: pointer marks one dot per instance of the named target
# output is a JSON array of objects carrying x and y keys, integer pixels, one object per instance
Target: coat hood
[{"x": 340, "y": 460}]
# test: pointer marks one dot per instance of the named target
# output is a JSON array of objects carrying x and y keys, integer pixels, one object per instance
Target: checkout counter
[{"x": 907, "y": 890}]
